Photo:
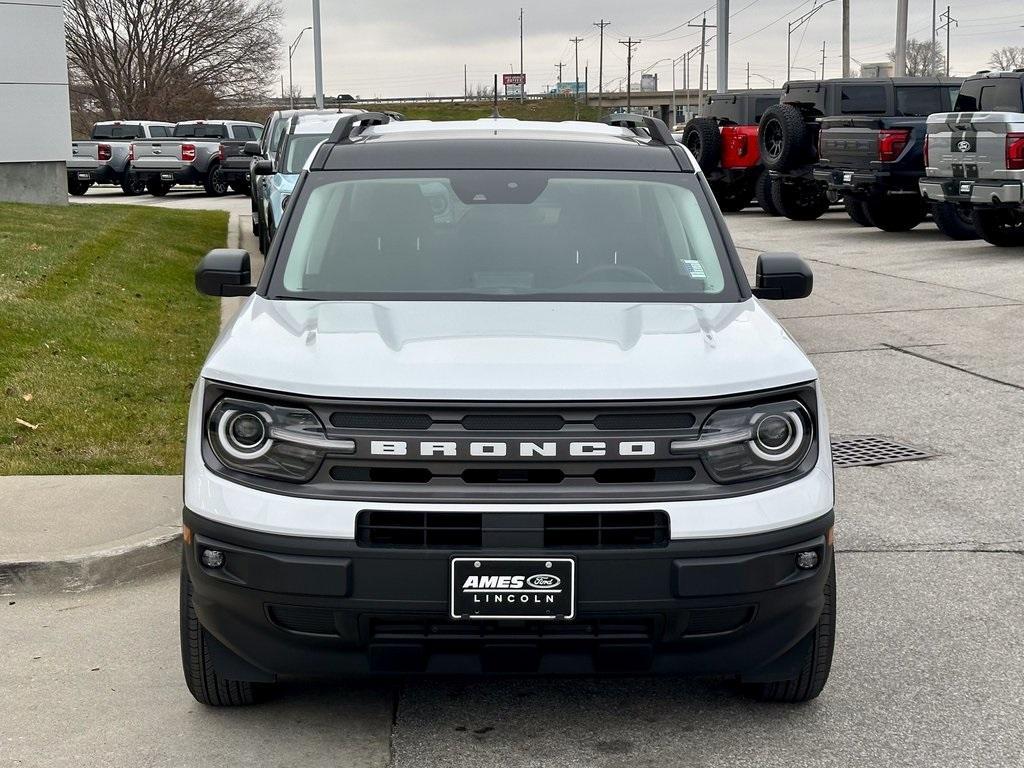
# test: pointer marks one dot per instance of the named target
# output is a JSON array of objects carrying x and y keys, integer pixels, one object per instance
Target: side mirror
[
  {"x": 263, "y": 168},
  {"x": 782, "y": 276},
  {"x": 224, "y": 272},
  {"x": 252, "y": 148}
]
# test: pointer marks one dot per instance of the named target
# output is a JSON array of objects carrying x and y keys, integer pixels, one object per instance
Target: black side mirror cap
[
  {"x": 263, "y": 168},
  {"x": 224, "y": 272},
  {"x": 252, "y": 148},
  {"x": 782, "y": 276}
]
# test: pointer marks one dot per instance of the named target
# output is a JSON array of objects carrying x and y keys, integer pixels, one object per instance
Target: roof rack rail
[
  {"x": 347, "y": 125},
  {"x": 656, "y": 128}
]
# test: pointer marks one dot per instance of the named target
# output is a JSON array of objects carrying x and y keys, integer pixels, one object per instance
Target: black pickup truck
[
  {"x": 875, "y": 160},
  {"x": 851, "y": 164}
]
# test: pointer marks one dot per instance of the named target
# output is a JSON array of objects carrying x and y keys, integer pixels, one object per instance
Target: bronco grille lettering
[{"x": 581, "y": 449}]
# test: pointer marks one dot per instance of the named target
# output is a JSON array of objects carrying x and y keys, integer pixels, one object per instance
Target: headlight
[
  {"x": 747, "y": 443},
  {"x": 282, "y": 442}
]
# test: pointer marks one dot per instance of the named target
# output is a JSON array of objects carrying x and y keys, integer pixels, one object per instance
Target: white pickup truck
[
  {"x": 105, "y": 157},
  {"x": 974, "y": 155}
]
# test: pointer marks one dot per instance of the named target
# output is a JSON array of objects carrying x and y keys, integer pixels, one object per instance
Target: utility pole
[
  {"x": 630, "y": 43},
  {"x": 559, "y": 65},
  {"x": 748, "y": 75},
  {"x": 703, "y": 45},
  {"x": 950, "y": 21},
  {"x": 522, "y": 88},
  {"x": 600, "y": 62},
  {"x": 794, "y": 25},
  {"x": 722, "y": 48},
  {"x": 318, "y": 57},
  {"x": 931, "y": 54},
  {"x": 576, "y": 85},
  {"x": 586, "y": 81},
  {"x": 902, "y": 7},
  {"x": 465, "y": 82},
  {"x": 822, "y": 59},
  {"x": 846, "y": 38}
]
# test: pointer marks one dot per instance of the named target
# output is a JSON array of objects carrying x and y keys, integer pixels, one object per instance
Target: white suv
[{"x": 504, "y": 402}]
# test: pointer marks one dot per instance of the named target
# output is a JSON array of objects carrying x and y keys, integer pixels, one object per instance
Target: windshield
[
  {"x": 200, "y": 131},
  {"x": 117, "y": 132},
  {"x": 297, "y": 150},
  {"x": 505, "y": 234}
]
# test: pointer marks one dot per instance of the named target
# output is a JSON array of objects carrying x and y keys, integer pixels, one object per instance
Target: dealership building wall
[{"x": 35, "y": 121}]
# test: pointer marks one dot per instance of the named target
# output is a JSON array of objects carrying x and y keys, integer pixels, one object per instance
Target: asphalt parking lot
[{"x": 917, "y": 339}]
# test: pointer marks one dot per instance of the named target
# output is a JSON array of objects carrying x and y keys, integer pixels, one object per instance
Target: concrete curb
[{"x": 156, "y": 553}]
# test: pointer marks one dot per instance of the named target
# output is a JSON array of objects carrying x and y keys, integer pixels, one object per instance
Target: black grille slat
[
  {"x": 513, "y": 423},
  {"x": 314, "y": 621},
  {"x": 713, "y": 621},
  {"x": 581, "y": 530},
  {"x": 595, "y": 631},
  {"x": 644, "y": 421},
  {"x": 380, "y": 420}
]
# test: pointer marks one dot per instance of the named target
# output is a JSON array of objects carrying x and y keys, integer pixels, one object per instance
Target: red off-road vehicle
[{"x": 724, "y": 142}]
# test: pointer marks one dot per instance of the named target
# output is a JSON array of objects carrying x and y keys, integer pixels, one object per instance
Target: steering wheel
[{"x": 616, "y": 273}]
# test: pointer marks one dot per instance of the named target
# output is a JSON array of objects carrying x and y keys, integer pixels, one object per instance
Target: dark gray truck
[
  {"x": 195, "y": 155},
  {"x": 105, "y": 158},
  {"x": 876, "y": 160},
  {"x": 789, "y": 133}
]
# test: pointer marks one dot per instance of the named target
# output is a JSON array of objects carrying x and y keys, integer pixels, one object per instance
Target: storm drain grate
[{"x": 866, "y": 451}]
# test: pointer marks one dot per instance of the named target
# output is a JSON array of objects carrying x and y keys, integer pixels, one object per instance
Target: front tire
[
  {"x": 201, "y": 676},
  {"x": 817, "y": 661},
  {"x": 733, "y": 197},
  {"x": 855, "y": 210},
  {"x": 896, "y": 214},
  {"x": 763, "y": 188},
  {"x": 1000, "y": 226},
  {"x": 215, "y": 184},
  {"x": 799, "y": 200}
]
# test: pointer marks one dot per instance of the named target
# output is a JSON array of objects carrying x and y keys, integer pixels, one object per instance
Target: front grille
[
  {"x": 311, "y": 621},
  {"x": 498, "y": 475},
  {"x": 715, "y": 621},
  {"x": 572, "y": 530},
  {"x": 399, "y": 629}
]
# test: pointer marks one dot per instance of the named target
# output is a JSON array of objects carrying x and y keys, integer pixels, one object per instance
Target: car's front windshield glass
[
  {"x": 500, "y": 233},
  {"x": 298, "y": 149}
]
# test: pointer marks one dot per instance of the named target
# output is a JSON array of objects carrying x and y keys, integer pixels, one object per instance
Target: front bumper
[
  {"x": 290, "y": 606},
  {"x": 974, "y": 192}
]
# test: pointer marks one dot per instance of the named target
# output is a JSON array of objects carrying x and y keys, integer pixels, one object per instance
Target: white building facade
[{"x": 35, "y": 120}]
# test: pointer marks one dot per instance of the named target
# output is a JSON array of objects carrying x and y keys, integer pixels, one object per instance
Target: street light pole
[
  {"x": 318, "y": 57},
  {"x": 794, "y": 25},
  {"x": 291, "y": 52}
]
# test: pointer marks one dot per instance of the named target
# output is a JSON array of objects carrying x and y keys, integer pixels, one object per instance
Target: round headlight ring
[
  {"x": 785, "y": 451},
  {"x": 226, "y": 425}
]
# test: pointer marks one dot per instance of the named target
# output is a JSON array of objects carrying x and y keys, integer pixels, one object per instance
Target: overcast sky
[{"x": 418, "y": 48}]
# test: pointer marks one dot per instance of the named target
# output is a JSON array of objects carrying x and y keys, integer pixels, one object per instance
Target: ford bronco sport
[
  {"x": 502, "y": 401},
  {"x": 975, "y": 156}
]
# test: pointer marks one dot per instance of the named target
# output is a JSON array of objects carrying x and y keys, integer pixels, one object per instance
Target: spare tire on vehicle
[
  {"x": 799, "y": 199},
  {"x": 954, "y": 221},
  {"x": 783, "y": 138},
  {"x": 702, "y": 138}
]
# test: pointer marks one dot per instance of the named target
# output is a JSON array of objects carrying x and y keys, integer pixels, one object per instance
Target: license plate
[
  {"x": 513, "y": 588},
  {"x": 167, "y": 177},
  {"x": 84, "y": 177},
  {"x": 847, "y": 177}
]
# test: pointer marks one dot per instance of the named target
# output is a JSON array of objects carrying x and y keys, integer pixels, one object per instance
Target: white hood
[{"x": 420, "y": 350}]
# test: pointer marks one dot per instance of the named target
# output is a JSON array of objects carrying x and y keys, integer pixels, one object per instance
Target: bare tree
[
  {"x": 922, "y": 58},
  {"x": 1007, "y": 58},
  {"x": 167, "y": 59}
]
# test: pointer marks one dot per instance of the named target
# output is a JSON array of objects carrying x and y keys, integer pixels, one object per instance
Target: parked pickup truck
[
  {"x": 875, "y": 160},
  {"x": 104, "y": 158},
  {"x": 193, "y": 155},
  {"x": 789, "y": 133},
  {"x": 724, "y": 142},
  {"x": 975, "y": 156}
]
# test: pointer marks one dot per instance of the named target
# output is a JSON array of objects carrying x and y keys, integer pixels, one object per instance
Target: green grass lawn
[
  {"x": 541, "y": 109},
  {"x": 101, "y": 335}
]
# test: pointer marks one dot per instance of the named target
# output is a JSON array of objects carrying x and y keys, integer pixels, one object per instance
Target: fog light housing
[
  {"x": 212, "y": 558},
  {"x": 807, "y": 561}
]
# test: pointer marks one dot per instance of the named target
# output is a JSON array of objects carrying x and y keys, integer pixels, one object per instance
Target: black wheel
[
  {"x": 158, "y": 188},
  {"x": 201, "y": 676},
  {"x": 77, "y": 187},
  {"x": 855, "y": 210},
  {"x": 817, "y": 661},
  {"x": 240, "y": 187},
  {"x": 733, "y": 197},
  {"x": 799, "y": 200},
  {"x": 896, "y": 214},
  {"x": 132, "y": 184},
  {"x": 954, "y": 221},
  {"x": 1000, "y": 226},
  {"x": 783, "y": 137},
  {"x": 763, "y": 188},
  {"x": 215, "y": 184},
  {"x": 702, "y": 138}
]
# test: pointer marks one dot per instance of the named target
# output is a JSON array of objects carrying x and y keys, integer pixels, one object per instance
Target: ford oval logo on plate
[
  {"x": 964, "y": 146},
  {"x": 543, "y": 581}
]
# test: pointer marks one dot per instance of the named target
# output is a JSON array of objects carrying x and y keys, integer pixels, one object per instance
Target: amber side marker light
[
  {"x": 186, "y": 534},
  {"x": 830, "y": 536}
]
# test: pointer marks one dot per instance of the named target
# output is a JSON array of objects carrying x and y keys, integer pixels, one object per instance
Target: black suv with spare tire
[{"x": 804, "y": 184}]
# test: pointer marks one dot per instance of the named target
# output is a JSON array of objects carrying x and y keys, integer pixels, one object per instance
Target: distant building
[
  {"x": 878, "y": 69},
  {"x": 649, "y": 82},
  {"x": 35, "y": 120}
]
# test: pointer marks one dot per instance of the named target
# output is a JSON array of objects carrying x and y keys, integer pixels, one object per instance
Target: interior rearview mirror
[
  {"x": 251, "y": 148},
  {"x": 224, "y": 272},
  {"x": 263, "y": 168},
  {"x": 782, "y": 276}
]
